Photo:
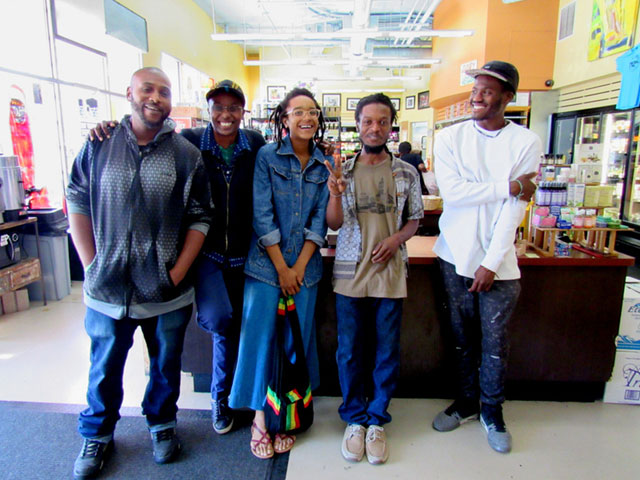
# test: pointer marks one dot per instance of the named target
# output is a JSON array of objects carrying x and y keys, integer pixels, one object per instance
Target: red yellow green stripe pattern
[{"x": 273, "y": 400}]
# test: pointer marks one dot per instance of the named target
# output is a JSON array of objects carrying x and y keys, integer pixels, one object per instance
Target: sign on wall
[{"x": 464, "y": 78}]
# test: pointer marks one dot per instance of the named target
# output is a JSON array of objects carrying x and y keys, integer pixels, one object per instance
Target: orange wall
[
  {"x": 445, "y": 77},
  {"x": 523, "y": 33}
]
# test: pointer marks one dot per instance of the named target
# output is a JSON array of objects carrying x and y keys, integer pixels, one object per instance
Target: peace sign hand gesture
[{"x": 336, "y": 183}]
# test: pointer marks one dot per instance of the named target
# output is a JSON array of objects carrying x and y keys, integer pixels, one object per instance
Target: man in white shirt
[{"x": 484, "y": 168}]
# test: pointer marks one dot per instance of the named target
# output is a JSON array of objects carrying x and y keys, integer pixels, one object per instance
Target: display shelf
[{"x": 600, "y": 240}]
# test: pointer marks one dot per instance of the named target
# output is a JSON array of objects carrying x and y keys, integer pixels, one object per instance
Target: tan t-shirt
[{"x": 376, "y": 207}]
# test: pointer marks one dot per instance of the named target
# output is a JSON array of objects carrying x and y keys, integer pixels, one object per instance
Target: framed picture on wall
[
  {"x": 423, "y": 100},
  {"x": 352, "y": 103},
  {"x": 275, "y": 94},
  {"x": 331, "y": 100},
  {"x": 396, "y": 103},
  {"x": 410, "y": 102}
]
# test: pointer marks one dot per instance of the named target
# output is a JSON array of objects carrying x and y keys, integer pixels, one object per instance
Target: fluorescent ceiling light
[
  {"x": 391, "y": 90},
  {"x": 371, "y": 90},
  {"x": 367, "y": 78},
  {"x": 340, "y": 34},
  {"x": 381, "y": 62}
]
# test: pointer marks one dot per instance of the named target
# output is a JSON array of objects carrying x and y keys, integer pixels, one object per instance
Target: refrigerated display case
[
  {"x": 631, "y": 207},
  {"x": 607, "y": 133}
]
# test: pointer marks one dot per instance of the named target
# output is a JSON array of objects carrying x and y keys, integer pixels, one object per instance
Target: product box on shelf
[{"x": 575, "y": 194}]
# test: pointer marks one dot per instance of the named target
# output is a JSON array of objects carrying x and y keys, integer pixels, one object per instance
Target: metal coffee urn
[{"x": 12, "y": 189}]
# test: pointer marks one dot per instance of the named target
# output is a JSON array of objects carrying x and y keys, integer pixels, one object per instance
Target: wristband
[
  {"x": 520, "y": 193},
  {"x": 334, "y": 195}
]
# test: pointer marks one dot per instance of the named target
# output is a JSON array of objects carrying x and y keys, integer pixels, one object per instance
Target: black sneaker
[
  {"x": 498, "y": 436},
  {"x": 222, "y": 416},
  {"x": 91, "y": 458},
  {"x": 166, "y": 445},
  {"x": 459, "y": 412}
]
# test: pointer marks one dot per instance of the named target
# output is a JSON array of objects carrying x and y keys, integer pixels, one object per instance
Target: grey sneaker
[
  {"x": 459, "y": 412},
  {"x": 221, "y": 416},
  {"x": 498, "y": 436},
  {"x": 91, "y": 458},
  {"x": 377, "y": 449},
  {"x": 353, "y": 442},
  {"x": 166, "y": 445}
]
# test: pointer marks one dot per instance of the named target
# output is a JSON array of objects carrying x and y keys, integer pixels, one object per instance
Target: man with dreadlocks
[{"x": 376, "y": 203}]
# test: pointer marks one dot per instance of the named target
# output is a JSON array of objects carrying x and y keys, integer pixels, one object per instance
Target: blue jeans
[
  {"x": 219, "y": 298},
  {"x": 479, "y": 324},
  {"x": 110, "y": 343},
  {"x": 367, "y": 387}
]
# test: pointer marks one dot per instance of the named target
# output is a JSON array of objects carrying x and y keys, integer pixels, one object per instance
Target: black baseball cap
[
  {"x": 226, "y": 86},
  {"x": 503, "y": 71}
]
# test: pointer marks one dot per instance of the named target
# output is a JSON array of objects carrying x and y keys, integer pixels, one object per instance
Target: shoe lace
[
  {"x": 355, "y": 430},
  {"x": 91, "y": 448},
  {"x": 219, "y": 408},
  {"x": 375, "y": 433},
  {"x": 164, "y": 435}
]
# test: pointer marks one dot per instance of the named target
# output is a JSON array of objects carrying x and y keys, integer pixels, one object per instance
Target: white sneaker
[
  {"x": 353, "y": 442},
  {"x": 376, "y": 443}
]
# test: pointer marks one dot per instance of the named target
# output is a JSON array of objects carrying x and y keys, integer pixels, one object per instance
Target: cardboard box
[
  {"x": 630, "y": 315},
  {"x": 9, "y": 304},
  {"x": 22, "y": 299},
  {"x": 624, "y": 385}
]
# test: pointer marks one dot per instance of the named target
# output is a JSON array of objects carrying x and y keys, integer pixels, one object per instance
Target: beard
[
  {"x": 374, "y": 149},
  {"x": 138, "y": 108}
]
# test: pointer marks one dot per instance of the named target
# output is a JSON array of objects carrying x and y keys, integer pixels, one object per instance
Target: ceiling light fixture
[
  {"x": 367, "y": 78},
  {"x": 383, "y": 62},
  {"x": 339, "y": 34}
]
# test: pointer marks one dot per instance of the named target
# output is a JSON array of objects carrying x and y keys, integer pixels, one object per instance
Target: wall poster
[{"x": 612, "y": 26}]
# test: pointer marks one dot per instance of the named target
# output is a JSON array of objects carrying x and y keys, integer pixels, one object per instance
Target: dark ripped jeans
[{"x": 479, "y": 325}]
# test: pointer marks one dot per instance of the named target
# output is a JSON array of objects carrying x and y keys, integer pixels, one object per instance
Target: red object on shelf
[{"x": 23, "y": 147}]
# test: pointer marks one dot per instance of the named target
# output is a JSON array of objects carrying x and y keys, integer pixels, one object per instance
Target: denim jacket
[
  {"x": 289, "y": 207},
  {"x": 409, "y": 207}
]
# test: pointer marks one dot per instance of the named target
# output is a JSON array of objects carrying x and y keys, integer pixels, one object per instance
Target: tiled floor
[{"x": 44, "y": 358}]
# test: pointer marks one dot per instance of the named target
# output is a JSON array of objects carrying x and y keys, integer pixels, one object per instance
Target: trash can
[{"x": 54, "y": 253}]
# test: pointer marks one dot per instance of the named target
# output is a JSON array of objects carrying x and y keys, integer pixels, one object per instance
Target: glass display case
[
  {"x": 616, "y": 149},
  {"x": 588, "y": 129},
  {"x": 631, "y": 208},
  {"x": 602, "y": 140}
]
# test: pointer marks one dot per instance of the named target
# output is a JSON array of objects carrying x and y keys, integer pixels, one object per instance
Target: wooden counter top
[{"x": 421, "y": 253}]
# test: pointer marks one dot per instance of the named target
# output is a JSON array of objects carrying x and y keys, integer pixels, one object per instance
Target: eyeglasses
[
  {"x": 299, "y": 113},
  {"x": 216, "y": 107}
]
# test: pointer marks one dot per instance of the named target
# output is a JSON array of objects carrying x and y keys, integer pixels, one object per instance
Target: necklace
[{"x": 490, "y": 133}]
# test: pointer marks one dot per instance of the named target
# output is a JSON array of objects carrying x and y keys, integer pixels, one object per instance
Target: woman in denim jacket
[{"x": 289, "y": 202}]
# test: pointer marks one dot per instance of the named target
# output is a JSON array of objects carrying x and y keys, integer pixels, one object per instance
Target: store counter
[{"x": 562, "y": 333}]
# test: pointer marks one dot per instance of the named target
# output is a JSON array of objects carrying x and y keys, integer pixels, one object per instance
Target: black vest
[{"x": 231, "y": 229}]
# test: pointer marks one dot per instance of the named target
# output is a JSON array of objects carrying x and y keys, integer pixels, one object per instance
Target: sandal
[
  {"x": 283, "y": 443},
  {"x": 263, "y": 440}
]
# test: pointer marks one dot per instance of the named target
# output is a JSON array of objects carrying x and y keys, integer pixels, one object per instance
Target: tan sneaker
[
  {"x": 353, "y": 442},
  {"x": 377, "y": 450}
]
